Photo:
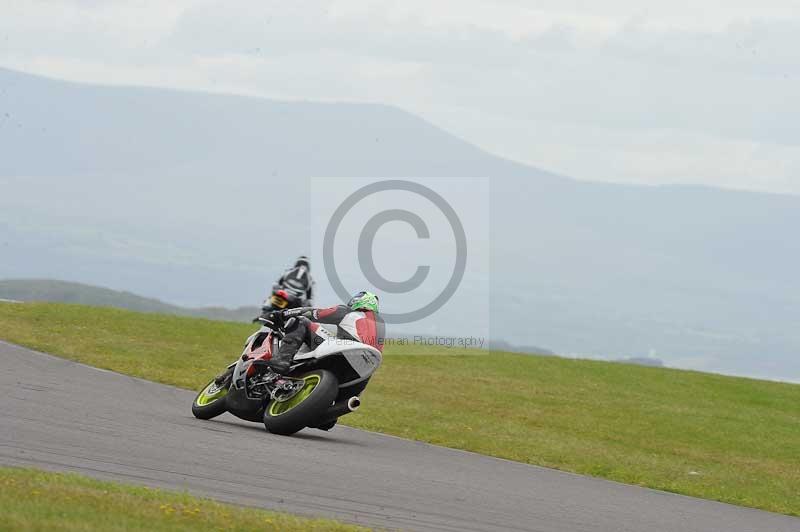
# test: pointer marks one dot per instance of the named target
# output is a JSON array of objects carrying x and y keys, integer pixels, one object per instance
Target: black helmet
[{"x": 302, "y": 260}]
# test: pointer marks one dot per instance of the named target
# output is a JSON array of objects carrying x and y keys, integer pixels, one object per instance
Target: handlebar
[{"x": 278, "y": 331}]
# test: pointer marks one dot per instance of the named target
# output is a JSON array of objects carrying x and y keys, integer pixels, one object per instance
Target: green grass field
[
  {"x": 38, "y": 500},
  {"x": 730, "y": 439}
]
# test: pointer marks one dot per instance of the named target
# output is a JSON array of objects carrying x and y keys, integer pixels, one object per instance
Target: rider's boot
[
  {"x": 281, "y": 361},
  {"x": 279, "y": 366}
]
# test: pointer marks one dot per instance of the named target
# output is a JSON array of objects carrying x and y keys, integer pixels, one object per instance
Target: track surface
[{"x": 61, "y": 415}]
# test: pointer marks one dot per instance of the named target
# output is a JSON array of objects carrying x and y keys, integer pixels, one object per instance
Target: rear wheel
[
  {"x": 210, "y": 402},
  {"x": 306, "y": 407}
]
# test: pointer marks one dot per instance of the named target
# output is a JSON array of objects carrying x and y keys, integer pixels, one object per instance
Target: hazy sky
[{"x": 618, "y": 90}]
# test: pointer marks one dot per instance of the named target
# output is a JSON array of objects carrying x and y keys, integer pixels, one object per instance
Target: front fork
[{"x": 225, "y": 376}]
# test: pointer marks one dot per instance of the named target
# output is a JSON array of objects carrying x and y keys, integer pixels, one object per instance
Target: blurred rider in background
[{"x": 293, "y": 289}]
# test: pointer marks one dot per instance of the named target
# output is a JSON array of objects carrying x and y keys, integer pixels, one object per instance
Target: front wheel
[
  {"x": 210, "y": 402},
  {"x": 306, "y": 407}
]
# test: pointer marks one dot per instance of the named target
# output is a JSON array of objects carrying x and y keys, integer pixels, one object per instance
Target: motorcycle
[
  {"x": 321, "y": 386},
  {"x": 282, "y": 299}
]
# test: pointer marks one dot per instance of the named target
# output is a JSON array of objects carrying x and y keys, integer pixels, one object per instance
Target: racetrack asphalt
[{"x": 64, "y": 416}]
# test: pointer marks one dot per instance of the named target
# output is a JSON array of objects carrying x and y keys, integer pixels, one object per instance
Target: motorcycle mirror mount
[{"x": 278, "y": 332}]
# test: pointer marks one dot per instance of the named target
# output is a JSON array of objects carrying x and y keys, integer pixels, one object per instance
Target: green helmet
[{"x": 364, "y": 300}]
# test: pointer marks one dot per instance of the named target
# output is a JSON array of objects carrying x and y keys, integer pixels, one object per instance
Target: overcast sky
[{"x": 618, "y": 90}]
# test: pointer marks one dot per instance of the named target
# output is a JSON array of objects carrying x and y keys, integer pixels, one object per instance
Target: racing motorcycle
[
  {"x": 282, "y": 299},
  {"x": 322, "y": 385}
]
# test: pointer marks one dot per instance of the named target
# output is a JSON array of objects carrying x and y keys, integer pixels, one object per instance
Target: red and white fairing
[{"x": 363, "y": 358}]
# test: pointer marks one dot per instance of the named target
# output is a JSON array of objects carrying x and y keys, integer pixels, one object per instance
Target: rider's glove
[{"x": 274, "y": 319}]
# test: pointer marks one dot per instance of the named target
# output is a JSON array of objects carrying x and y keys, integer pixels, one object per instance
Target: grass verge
[
  {"x": 724, "y": 438},
  {"x": 38, "y": 500}
]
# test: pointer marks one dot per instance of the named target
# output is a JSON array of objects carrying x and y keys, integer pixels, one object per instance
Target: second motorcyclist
[{"x": 293, "y": 289}]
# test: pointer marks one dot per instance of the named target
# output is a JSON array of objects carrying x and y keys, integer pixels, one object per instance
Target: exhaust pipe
[{"x": 353, "y": 403}]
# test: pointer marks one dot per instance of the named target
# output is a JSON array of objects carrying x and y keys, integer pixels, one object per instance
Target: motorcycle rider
[
  {"x": 297, "y": 281},
  {"x": 357, "y": 320}
]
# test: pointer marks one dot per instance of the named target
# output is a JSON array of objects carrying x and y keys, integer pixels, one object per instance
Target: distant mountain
[
  {"x": 83, "y": 294},
  {"x": 201, "y": 199},
  {"x": 641, "y": 361},
  {"x": 500, "y": 345}
]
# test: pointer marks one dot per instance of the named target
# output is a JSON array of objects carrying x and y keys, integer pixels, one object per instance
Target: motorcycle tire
[
  {"x": 210, "y": 402},
  {"x": 326, "y": 426},
  {"x": 306, "y": 407}
]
